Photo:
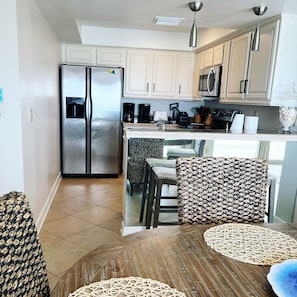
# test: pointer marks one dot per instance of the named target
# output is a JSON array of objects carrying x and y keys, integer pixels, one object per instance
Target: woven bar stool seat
[
  {"x": 149, "y": 164},
  {"x": 160, "y": 176}
]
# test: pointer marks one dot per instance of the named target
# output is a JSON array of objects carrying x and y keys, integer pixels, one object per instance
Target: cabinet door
[
  {"x": 138, "y": 73},
  {"x": 261, "y": 66},
  {"x": 111, "y": 57},
  {"x": 80, "y": 55},
  {"x": 195, "y": 90},
  {"x": 238, "y": 65},
  {"x": 185, "y": 73},
  {"x": 218, "y": 54},
  {"x": 164, "y": 74},
  {"x": 224, "y": 77},
  {"x": 208, "y": 58}
]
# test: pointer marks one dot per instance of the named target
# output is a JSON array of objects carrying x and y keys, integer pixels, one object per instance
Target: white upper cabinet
[
  {"x": 197, "y": 69},
  {"x": 208, "y": 58},
  {"x": 259, "y": 77},
  {"x": 237, "y": 68},
  {"x": 138, "y": 73},
  {"x": 225, "y": 51},
  {"x": 218, "y": 54},
  {"x": 95, "y": 56},
  {"x": 164, "y": 74},
  {"x": 250, "y": 72},
  {"x": 80, "y": 55},
  {"x": 158, "y": 74},
  {"x": 107, "y": 56},
  {"x": 185, "y": 71}
]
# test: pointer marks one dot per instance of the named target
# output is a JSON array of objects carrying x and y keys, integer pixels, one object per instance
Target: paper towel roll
[
  {"x": 251, "y": 124},
  {"x": 237, "y": 124}
]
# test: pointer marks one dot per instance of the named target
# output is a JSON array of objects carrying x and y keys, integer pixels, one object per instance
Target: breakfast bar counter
[
  {"x": 218, "y": 142},
  {"x": 173, "y": 131}
]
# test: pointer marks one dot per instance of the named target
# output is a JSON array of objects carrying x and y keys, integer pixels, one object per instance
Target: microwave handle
[{"x": 207, "y": 81}]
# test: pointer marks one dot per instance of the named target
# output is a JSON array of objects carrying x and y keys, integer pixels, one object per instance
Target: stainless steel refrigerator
[{"x": 90, "y": 120}]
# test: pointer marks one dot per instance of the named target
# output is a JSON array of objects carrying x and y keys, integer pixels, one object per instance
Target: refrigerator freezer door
[
  {"x": 106, "y": 94},
  {"x": 73, "y": 128}
]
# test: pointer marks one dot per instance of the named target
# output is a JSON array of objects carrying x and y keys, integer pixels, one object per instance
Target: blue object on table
[{"x": 283, "y": 278}]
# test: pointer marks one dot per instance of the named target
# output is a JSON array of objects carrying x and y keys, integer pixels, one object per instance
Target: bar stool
[
  {"x": 149, "y": 164},
  {"x": 160, "y": 176}
]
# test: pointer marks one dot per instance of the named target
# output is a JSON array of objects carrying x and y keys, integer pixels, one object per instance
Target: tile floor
[{"x": 84, "y": 214}]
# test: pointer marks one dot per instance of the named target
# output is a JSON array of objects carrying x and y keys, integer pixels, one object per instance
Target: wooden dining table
[{"x": 174, "y": 255}]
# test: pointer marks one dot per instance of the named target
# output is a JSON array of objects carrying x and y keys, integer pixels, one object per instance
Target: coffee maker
[
  {"x": 128, "y": 112},
  {"x": 144, "y": 113}
]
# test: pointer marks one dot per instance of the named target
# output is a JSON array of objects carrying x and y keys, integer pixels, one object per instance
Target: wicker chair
[
  {"x": 22, "y": 266},
  {"x": 221, "y": 190},
  {"x": 140, "y": 149}
]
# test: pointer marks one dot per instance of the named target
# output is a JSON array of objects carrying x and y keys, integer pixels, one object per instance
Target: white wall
[
  {"x": 11, "y": 158},
  {"x": 29, "y": 152}
]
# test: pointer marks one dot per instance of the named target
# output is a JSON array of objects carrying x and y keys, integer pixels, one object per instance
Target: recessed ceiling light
[{"x": 167, "y": 21}]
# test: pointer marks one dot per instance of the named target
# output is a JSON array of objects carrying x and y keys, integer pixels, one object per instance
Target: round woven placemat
[
  {"x": 251, "y": 244},
  {"x": 127, "y": 287}
]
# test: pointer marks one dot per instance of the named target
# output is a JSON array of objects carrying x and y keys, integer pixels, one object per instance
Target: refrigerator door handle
[
  {"x": 88, "y": 120},
  {"x": 90, "y": 93}
]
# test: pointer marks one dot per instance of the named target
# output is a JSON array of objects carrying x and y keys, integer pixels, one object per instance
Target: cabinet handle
[
  {"x": 179, "y": 89},
  {"x": 147, "y": 87},
  {"x": 245, "y": 86},
  {"x": 242, "y": 86},
  {"x": 153, "y": 87}
]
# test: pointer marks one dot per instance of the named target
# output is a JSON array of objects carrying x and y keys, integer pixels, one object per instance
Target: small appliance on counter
[
  {"x": 183, "y": 119},
  {"x": 160, "y": 115},
  {"x": 174, "y": 119},
  {"x": 144, "y": 113},
  {"x": 128, "y": 112}
]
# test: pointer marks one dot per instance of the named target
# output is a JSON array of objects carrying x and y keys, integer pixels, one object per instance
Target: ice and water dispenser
[{"x": 75, "y": 107}]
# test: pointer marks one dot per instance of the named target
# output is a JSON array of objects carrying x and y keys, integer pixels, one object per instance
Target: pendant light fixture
[
  {"x": 195, "y": 7},
  {"x": 258, "y": 10}
]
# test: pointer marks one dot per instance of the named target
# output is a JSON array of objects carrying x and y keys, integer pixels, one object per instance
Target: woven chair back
[
  {"x": 138, "y": 150},
  {"x": 221, "y": 190},
  {"x": 22, "y": 266}
]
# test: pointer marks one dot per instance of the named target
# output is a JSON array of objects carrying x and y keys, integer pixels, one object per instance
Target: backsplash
[{"x": 268, "y": 115}]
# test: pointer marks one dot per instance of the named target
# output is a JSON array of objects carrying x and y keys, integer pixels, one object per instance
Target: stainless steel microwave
[{"x": 210, "y": 81}]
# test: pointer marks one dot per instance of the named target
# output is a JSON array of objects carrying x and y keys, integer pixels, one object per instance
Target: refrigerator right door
[
  {"x": 106, "y": 94},
  {"x": 73, "y": 119}
]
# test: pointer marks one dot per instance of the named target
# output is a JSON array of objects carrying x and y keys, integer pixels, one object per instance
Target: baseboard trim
[{"x": 41, "y": 218}]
